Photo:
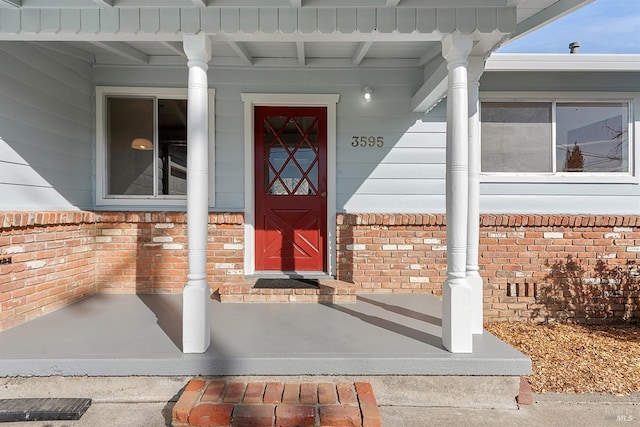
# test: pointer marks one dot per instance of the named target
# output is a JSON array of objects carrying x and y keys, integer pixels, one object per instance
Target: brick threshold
[
  {"x": 329, "y": 290},
  {"x": 216, "y": 403}
]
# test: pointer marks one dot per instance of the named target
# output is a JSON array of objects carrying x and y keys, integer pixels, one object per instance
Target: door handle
[{"x": 323, "y": 194}]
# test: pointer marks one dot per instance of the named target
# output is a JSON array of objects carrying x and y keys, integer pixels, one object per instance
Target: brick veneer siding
[
  {"x": 392, "y": 253},
  {"x": 147, "y": 252},
  {"x": 58, "y": 258},
  {"x": 537, "y": 268},
  {"x": 52, "y": 258}
]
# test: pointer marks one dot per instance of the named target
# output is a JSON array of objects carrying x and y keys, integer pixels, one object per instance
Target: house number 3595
[{"x": 367, "y": 141}]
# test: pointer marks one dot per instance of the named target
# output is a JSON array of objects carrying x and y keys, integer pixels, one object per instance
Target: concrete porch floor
[{"x": 120, "y": 335}]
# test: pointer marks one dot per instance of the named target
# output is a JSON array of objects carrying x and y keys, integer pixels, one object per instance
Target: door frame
[{"x": 252, "y": 100}]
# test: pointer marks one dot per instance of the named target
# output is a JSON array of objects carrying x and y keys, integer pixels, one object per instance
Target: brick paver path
[{"x": 215, "y": 403}]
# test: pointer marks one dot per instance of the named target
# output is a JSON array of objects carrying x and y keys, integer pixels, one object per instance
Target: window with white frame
[
  {"x": 142, "y": 145},
  {"x": 553, "y": 137}
]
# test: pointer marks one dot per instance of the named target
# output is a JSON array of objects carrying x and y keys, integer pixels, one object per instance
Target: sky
[{"x": 604, "y": 26}]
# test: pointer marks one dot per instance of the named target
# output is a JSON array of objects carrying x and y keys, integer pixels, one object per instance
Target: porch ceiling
[
  {"x": 255, "y": 54},
  {"x": 277, "y": 33}
]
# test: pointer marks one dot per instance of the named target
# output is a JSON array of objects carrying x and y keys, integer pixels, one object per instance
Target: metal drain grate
[{"x": 43, "y": 409}]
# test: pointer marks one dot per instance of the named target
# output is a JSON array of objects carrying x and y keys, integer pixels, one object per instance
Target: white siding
[{"x": 46, "y": 119}]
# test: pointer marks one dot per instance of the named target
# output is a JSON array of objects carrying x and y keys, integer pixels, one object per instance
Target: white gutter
[{"x": 563, "y": 62}]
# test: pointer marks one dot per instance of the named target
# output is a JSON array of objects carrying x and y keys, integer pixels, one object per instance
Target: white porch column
[
  {"x": 456, "y": 292},
  {"x": 475, "y": 69},
  {"x": 195, "y": 299}
]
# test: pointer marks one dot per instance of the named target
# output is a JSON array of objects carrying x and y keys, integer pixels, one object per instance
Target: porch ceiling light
[
  {"x": 142, "y": 144},
  {"x": 367, "y": 93}
]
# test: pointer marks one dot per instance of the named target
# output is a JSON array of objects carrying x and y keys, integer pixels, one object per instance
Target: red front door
[{"x": 291, "y": 188}]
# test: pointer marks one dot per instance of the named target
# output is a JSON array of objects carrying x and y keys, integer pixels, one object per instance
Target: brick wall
[
  {"x": 57, "y": 258},
  {"x": 46, "y": 262},
  {"x": 582, "y": 269},
  {"x": 392, "y": 253},
  {"x": 147, "y": 252},
  {"x": 535, "y": 268}
]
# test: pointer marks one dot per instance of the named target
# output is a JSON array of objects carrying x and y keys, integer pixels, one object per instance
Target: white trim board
[
  {"x": 563, "y": 62},
  {"x": 252, "y": 100}
]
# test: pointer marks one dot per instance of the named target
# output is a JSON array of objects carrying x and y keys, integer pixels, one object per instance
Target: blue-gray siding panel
[
  {"x": 407, "y": 173},
  {"x": 388, "y": 116},
  {"x": 558, "y": 196},
  {"x": 596, "y": 204},
  {"x": 46, "y": 125}
]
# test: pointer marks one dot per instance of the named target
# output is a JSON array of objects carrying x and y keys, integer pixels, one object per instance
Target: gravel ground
[{"x": 577, "y": 359}]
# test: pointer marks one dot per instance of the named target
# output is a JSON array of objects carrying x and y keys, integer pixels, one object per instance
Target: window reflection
[{"x": 592, "y": 137}]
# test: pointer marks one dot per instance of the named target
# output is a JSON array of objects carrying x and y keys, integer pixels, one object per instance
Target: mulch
[{"x": 569, "y": 358}]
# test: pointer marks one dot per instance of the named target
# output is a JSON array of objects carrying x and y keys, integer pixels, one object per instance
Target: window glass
[
  {"x": 592, "y": 137},
  {"x": 130, "y": 146},
  {"x": 172, "y": 149},
  {"x": 516, "y": 137},
  {"x": 291, "y": 155},
  {"x": 135, "y": 138}
]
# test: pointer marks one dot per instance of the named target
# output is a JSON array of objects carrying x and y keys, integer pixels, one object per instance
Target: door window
[{"x": 291, "y": 155}]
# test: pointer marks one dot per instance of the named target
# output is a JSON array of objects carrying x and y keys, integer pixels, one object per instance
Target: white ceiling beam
[
  {"x": 104, "y": 3},
  {"x": 242, "y": 52},
  {"x": 392, "y": 3},
  {"x": 296, "y": 4},
  {"x": 123, "y": 50},
  {"x": 300, "y": 51},
  {"x": 174, "y": 47},
  {"x": 430, "y": 55},
  {"x": 169, "y": 61},
  {"x": 14, "y": 4},
  {"x": 329, "y": 37},
  {"x": 432, "y": 91},
  {"x": 361, "y": 52},
  {"x": 314, "y": 62},
  {"x": 199, "y": 3}
]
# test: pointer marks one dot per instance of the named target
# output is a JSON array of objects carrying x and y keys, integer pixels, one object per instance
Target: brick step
[
  {"x": 211, "y": 402},
  {"x": 328, "y": 290}
]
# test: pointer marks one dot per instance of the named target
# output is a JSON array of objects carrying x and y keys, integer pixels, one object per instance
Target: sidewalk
[{"x": 149, "y": 401}]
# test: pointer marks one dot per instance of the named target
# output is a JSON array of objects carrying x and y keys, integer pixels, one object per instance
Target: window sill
[
  {"x": 141, "y": 201},
  {"x": 560, "y": 178}
]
